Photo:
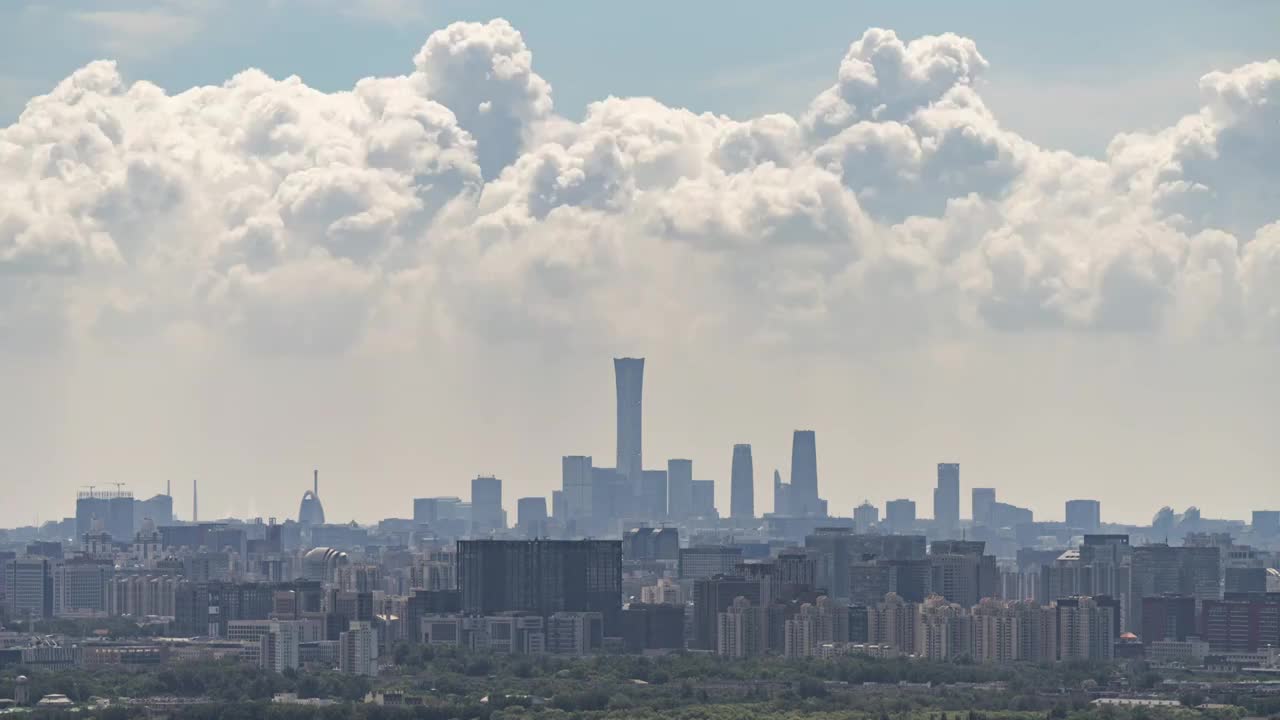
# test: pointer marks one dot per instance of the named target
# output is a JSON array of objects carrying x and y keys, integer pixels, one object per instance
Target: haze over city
[
  {"x": 837, "y": 360},
  {"x": 928, "y": 235}
]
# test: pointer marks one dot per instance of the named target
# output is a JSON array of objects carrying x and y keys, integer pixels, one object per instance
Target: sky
[{"x": 401, "y": 241}]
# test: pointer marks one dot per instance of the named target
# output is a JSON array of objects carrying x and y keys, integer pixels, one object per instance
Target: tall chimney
[{"x": 315, "y": 483}]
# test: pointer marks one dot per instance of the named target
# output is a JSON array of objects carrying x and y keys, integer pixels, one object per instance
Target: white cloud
[{"x": 453, "y": 202}]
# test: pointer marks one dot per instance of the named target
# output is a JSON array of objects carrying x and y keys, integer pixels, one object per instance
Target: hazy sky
[{"x": 1038, "y": 240}]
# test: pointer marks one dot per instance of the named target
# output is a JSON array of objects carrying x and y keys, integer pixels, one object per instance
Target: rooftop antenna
[
  {"x": 315, "y": 483},
  {"x": 195, "y": 507},
  {"x": 168, "y": 488}
]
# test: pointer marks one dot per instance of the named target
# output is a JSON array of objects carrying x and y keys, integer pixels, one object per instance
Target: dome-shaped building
[
  {"x": 322, "y": 563},
  {"x": 310, "y": 512}
]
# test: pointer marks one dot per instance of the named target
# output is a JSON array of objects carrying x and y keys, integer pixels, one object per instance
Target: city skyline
[
  {"x": 821, "y": 360},
  {"x": 213, "y": 271},
  {"x": 578, "y": 478}
]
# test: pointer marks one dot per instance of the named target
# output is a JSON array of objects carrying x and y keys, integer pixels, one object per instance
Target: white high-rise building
[
  {"x": 279, "y": 640},
  {"x": 358, "y": 649}
]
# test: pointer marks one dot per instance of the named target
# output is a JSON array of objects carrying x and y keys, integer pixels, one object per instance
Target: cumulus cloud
[{"x": 453, "y": 200}]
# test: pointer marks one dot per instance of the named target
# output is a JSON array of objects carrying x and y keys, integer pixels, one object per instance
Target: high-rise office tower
[
  {"x": 900, "y": 514},
  {"x": 1168, "y": 617},
  {"x": 653, "y": 494},
  {"x": 575, "y": 479},
  {"x": 531, "y": 516},
  {"x": 1084, "y": 515},
  {"x": 946, "y": 496},
  {"x": 486, "y": 505},
  {"x": 611, "y": 497},
  {"x": 1158, "y": 569},
  {"x": 629, "y": 378},
  {"x": 1266, "y": 523},
  {"x": 28, "y": 587},
  {"x": 679, "y": 488},
  {"x": 804, "y": 473},
  {"x": 984, "y": 500},
  {"x": 742, "y": 485},
  {"x": 703, "y": 494}
]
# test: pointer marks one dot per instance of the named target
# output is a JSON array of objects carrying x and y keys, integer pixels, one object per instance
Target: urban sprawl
[{"x": 625, "y": 560}]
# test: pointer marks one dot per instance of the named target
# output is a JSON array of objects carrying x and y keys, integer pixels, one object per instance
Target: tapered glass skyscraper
[
  {"x": 804, "y": 474},
  {"x": 742, "y": 499},
  {"x": 629, "y": 377}
]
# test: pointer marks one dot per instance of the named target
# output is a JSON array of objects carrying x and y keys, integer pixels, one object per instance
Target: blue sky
[{"x": 1067, "y": 76}]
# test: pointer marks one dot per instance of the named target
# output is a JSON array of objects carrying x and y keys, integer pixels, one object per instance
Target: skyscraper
[
  {"x": 486, "y": 505},
  {"x": 531, "y": 516},
  {"x": 679, "y": 488},
  {"x": 1158, "y": 569},
  {"x": 1084, "y": 515},
  {"x": 629, "y": 378},
  {"x": 703, "y": 503},
  {"x": 946, "y": 496},
  {"x": 804, "y": 473},
  {"x": 984, "y": 501},
  {"x": 653, "y": 495},
  {"x": 742, "y": 502},
  {"x": 900, "y": 514},
  {"x": 575, "y": 479}
]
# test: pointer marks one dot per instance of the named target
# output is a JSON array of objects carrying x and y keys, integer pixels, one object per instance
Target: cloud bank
[{"x": 454, "y": 202}]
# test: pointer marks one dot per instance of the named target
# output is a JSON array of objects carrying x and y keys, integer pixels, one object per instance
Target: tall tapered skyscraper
[
  {"x": 804, "y": 474},
  {"x": 629, "y": 377},
  {"x": 742, "y": 486}
]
